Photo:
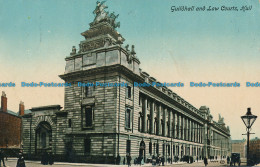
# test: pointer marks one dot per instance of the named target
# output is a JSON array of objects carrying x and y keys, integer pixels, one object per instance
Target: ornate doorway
[{"x": 43, "y": 137}]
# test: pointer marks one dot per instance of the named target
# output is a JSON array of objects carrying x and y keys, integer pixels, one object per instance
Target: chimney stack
[
  {"x": 3, "y": 102},
  {"x": 21, "y": 108}
]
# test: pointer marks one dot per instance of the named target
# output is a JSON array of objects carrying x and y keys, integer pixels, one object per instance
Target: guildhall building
[{"x": 103, "y": 124}]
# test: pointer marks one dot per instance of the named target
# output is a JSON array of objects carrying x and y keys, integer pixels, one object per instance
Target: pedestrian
[
  {"x": 163, "y": 160},
  {"x": 20, "y": 161},
  {"x": 51, "y": 158},
  {"x": 128, "y": 159},
  {"x": 45, "y": 158},
  {"x": 228, "y": 160},
  {"x": 2, "y": 158},
  {"x": 197, "y": 159},
  {"x": 153, "y": 160},
  {"x": 205, "y": 161}
]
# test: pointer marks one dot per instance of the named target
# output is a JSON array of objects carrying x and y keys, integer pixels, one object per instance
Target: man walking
[
  {"x": 205, "y": 161},
  {"x": 2, "y": 158},
  {"x": 128, "y": 158}
]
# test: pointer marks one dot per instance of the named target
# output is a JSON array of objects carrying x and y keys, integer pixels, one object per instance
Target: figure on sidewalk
[
  {"x": 205, "y": 161},
  {"x": 2, "y": 158},
  {"x": 51, "y": 158},
  {"x": 228, "y": 160},
  {"x": 20, "y": 161},
  {"x": 45, "y": 158},
  {"x": 128, "y": 158},
  {"x": 163, "y": 160}
]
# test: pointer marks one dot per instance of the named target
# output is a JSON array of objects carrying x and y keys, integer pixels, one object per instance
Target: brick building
[
  {"x": 254, "y": 150},
  {"x": 102, "y": 124},
  {"x": 10, "y": 125}
]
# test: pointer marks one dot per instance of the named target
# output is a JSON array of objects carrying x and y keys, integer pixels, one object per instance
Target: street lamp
[{"x": 248, "y": 120}]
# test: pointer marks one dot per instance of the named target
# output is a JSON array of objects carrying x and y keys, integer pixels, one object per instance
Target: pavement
[{"x": 11, "y": 162}]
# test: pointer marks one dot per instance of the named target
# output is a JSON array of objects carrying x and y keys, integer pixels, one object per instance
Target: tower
[{"x": 101, "y": 73}]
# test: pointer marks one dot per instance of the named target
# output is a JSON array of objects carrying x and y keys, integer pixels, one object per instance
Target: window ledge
[
  {"x": 88, "y": 127},
  {"x": 127, "y": 128}
]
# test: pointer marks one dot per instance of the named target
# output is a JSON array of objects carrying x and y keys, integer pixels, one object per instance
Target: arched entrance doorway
[
  {"x": 43, "y": 137},
  {"x": 142, "y": 150}
]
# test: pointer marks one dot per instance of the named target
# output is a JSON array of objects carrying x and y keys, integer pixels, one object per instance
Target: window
[
  {"x": 162, "y": 127},
  {"x": 163, "y": 149},
  {"x": 70, "y": 123},
  {"x": 155, "y": 127},
  {"x": 173, "y": 150},
  {"x": 89, "y": 90},
  {"x": 128, "y": 92},
  {"x": 128, "y": 146},
  {"x": 140, "y": 122},
  {"x": 88, "y": 116},
  {"x": 157, "y": 148},
  {"x": 128, "y": 118},
  {"x": 168, "y": 128},
  {"x": 87, "y": 146},
  {"x": 148, "y": 124},
  {"x": 150, "y": 148}
]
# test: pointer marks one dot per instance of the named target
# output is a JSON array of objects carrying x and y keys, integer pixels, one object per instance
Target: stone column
[
  {"x": 152, "y": 117},
  {"x": 170, "y": 123},
  {"x": 144, "y": 115},
  {"x": 196, "y": 132},
  {"x": 199, "y": 133},
  {"x": 190, "y": 130},
  {"x": 174, "y": 124},
  {"x": 179, "y": 126},
  {"x": 159, "y": 119},
  {"x": 164, "y": 121}
]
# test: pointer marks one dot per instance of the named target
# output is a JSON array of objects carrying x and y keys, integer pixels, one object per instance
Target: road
[{"x": 12, "y": 163}]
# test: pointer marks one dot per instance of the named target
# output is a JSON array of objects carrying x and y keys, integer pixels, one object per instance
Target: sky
[{"x": 196, "y": 46}]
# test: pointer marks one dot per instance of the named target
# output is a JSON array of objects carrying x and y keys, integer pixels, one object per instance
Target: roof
[
  {"x": 238, "y": 141},
  {"x": 12, "y": 113}
]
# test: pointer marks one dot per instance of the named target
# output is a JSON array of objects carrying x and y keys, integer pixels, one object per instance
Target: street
[{"x": 12, "y": 163}]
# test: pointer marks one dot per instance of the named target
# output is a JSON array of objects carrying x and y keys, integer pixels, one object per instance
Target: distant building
[
  {"x": 239, "y": 146},
  {"x": 254, "y": 150},
  {"x": 10, "y": 125},
  {"x": 102, "y": 124}
]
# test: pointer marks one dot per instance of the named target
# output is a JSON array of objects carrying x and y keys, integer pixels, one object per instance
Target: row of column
[
  {"x": 177, "y": 149},
  {"x": 159, "y": 120}
]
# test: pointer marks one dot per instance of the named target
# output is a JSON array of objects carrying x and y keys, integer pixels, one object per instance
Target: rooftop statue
[
  {"x": 102, "y": 15},
  {"x": 220, "y": 119}
]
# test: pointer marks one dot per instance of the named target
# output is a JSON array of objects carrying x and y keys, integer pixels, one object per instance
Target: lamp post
[{"x": 248, "y": 120}]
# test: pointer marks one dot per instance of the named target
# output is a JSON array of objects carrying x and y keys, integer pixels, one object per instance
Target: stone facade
[
  {"x": 102, "y": 124},
  {"x": 239, "y": 146}
]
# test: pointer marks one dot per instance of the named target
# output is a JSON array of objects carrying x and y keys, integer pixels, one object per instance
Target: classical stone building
[
  {"x": 239, "y": 146},
  {"x": 103, "y": 123}
]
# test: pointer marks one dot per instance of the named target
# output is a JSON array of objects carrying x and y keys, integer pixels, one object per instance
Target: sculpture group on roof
[{"x": 102, "y": 15}]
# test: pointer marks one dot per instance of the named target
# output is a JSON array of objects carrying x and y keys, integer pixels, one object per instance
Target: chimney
[
  {"x": 21, "y": 108},
  {"x": 3, "y": 102}
]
